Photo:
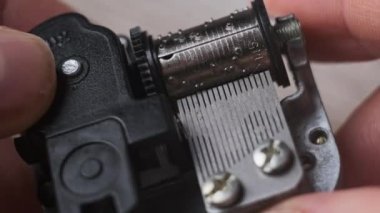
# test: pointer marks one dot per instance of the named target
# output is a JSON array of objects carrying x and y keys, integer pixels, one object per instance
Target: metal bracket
[{"x": 309, "y": 124}]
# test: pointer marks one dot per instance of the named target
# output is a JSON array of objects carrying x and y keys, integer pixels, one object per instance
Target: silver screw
[
  {"x": 222, "y": 190},
  {"x": 71, "y": 67},
  {"x": 273, "y": 157}
]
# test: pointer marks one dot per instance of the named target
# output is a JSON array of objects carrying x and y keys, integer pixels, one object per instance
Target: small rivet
[{"x": 71, "y": 67}]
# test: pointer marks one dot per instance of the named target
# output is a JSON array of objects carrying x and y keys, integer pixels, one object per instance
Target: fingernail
[{"x": 27, "y": 80}]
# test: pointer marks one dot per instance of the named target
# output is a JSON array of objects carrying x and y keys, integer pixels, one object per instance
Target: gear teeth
[{"x": 138, "y": 39}]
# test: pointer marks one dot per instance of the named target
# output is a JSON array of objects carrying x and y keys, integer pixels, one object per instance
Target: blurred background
[{"x": 343, "y": 86}]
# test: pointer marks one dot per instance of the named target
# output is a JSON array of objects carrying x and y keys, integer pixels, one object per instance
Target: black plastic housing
[{"x": 83, "y": 148}]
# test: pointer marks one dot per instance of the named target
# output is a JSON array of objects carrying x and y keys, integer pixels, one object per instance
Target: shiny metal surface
[
  {"x": 309, "y": 124},
  {"x": 222, "y": 190},
  {"x": 211, "y": 54},
  {"x": 273, "y": 158},
  {"x": 225, "y": 124},
  {"x": 287, "y": 28},
  {"x": 71, "y": 67}
]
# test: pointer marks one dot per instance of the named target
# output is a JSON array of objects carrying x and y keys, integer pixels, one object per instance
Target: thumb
[
  {"x": 27, "y": 80},
  {"x": 349, "y": 201}
]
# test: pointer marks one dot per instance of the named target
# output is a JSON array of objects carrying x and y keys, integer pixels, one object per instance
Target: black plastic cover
[{"x": 83, "y": 145}]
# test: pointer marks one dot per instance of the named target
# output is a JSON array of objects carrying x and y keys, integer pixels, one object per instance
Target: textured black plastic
[{"x": 82, "y": 146}]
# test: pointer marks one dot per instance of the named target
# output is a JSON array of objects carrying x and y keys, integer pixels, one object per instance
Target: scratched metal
[
  {"x": 224, "y": 124},
  {"x": 211, "y": 54}
]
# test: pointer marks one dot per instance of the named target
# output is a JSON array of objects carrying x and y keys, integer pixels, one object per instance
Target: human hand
[
  {"x": 27, "y": 85},
  {"x": 343, "y": 30},
  {"x": 351, "y": 32}
]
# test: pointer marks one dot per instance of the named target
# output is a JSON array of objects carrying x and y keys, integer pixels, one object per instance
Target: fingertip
[
  {"x": 283, "y": 7},
  {"x": 342, "y": 30},
  {"x": 357, "y": 200},
  {"x": 17, "y": 183},
  {"x": 310, "y": 12},
  {"x": 276, "y": 7},
  {"x": 358, "y": 142},
  {"x": 25, "y": 14},
  {"x": 27, "y": 80}
]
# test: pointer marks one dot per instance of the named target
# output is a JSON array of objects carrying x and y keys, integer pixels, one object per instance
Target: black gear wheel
[{"x": 140, "y": 45}]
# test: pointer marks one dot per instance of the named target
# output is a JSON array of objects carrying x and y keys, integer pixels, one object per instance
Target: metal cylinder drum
[{"x": 212, "y": 54}]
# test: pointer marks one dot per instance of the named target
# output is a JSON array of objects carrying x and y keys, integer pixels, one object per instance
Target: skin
[
  {"x": 27, "y": 86},
  {"x": 343, "y": 30},
  {"x": 336, "y": 30}
]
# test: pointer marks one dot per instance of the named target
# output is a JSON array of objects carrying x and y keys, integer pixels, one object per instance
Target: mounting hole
[
  {"x": 318, "y": 137},
  {"x": 308, "y": 161}
]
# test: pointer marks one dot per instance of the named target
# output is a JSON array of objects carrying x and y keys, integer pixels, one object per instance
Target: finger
[
  {"x": 17, "y": 190},
  {"x": 27, "y": 83},
  {"x": 26, "y": 14},
  {"x": 336, "y": 29},
  {"x": 359, "y": 143},
  {"x": 351, "y": 201},
  {"x": 27, "y": 80}
]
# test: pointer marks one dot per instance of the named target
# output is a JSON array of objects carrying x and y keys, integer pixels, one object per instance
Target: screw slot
[
  {"x": 222, "y": 190},
  {"x": 318, "y": 137},
  {"x": 273, "y": 157}
]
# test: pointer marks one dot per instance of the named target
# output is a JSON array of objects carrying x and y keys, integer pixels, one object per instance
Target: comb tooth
[
  {"x": 226, "y": 123},
  {"x": 214, "y": 132},
  {"x": 236, "y": 90},
  {"x": 272, "y": 115},
  {"x": 234, "y": 123},
  {"x": 218, "y": 164},
  {"x": 203, "y": 143},
  {"x": 222, "y": 132}
]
